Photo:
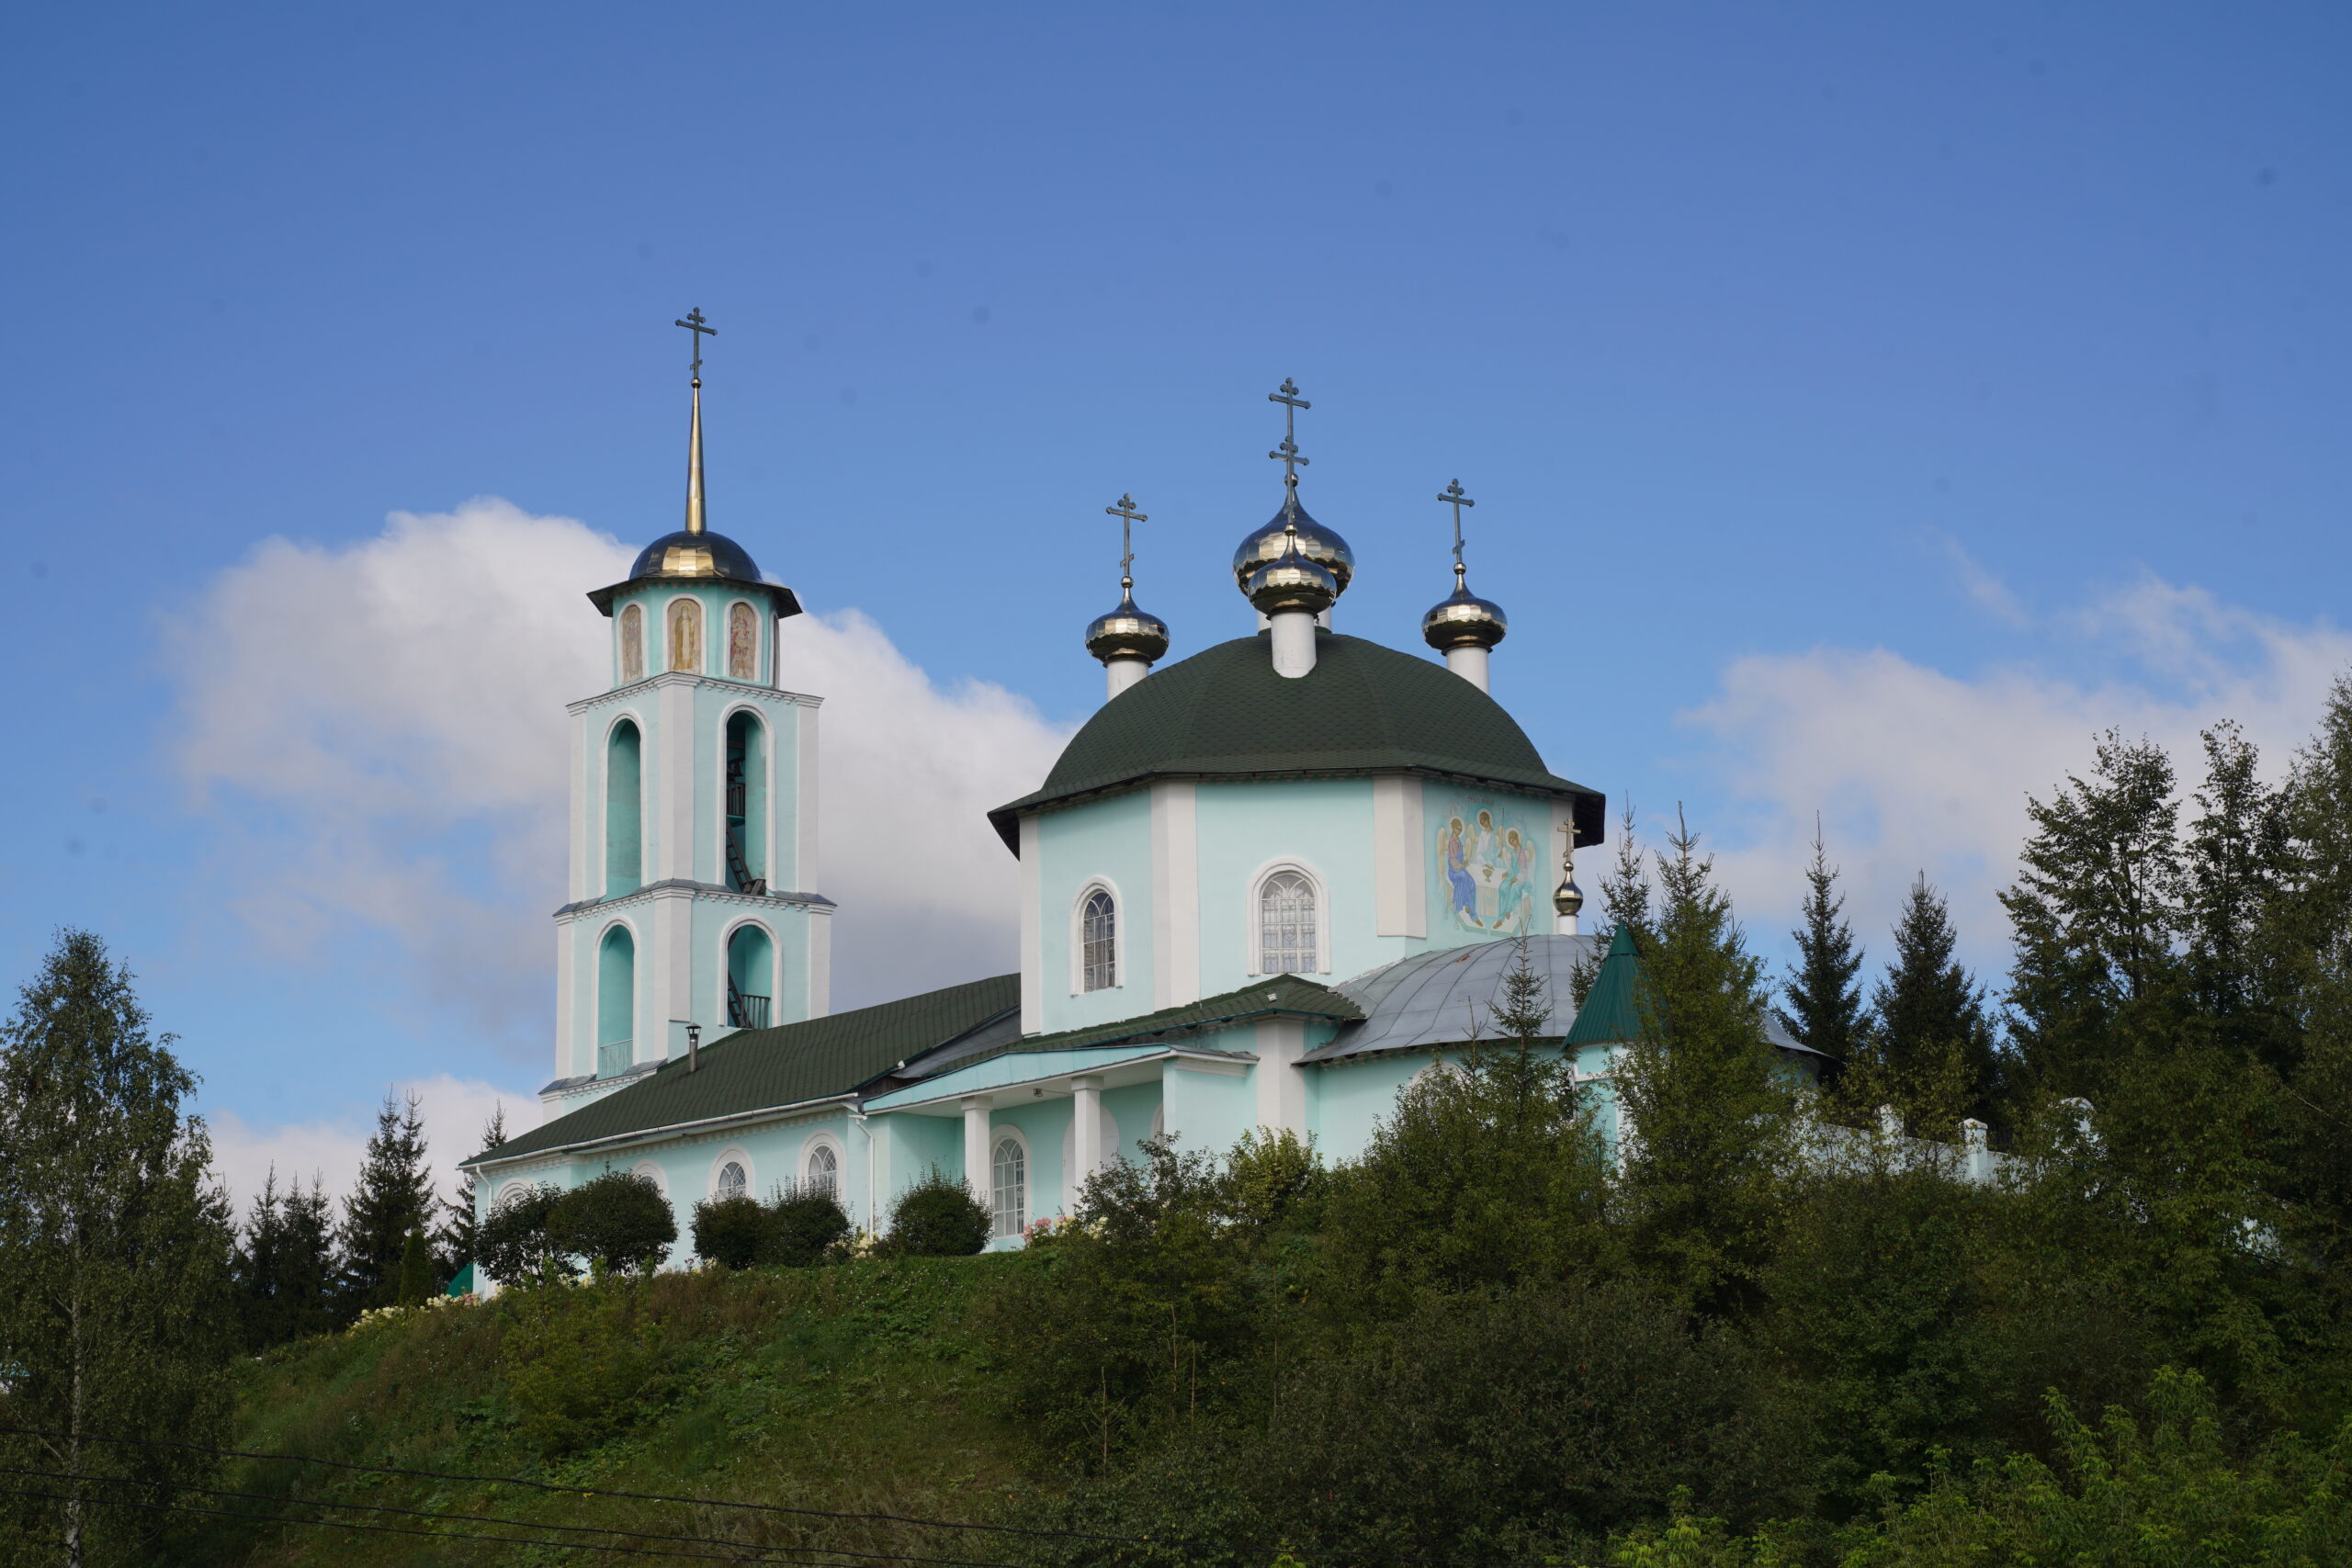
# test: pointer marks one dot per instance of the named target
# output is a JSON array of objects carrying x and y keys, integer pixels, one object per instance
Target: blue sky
[{"x": 1863, "y": 406}]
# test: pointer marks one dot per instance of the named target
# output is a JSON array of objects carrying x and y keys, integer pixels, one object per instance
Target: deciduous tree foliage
[{"x": 116, "y": 1313}]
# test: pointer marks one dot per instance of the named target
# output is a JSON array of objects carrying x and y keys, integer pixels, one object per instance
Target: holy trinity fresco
[
  {"x": 1488, "y": 854},
  {"x": 742, "y": 641}
]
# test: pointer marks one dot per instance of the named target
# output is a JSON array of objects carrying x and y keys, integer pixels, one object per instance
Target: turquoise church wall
[
  {"x": 1325, "y": 826},
  {"x": 1107, "y": 840}
]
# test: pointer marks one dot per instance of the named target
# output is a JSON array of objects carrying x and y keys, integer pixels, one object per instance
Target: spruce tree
[
  {"x": 1624, "y": 901},
  {"x": 2095, "y": 912},
  {"x": 1712, "y": 1133},
  {"x": 1930, "y": 1047},
  {"x": 1824, "y": 1010},
  {"x": 2237, "y": 871},
  {"x": 456, "y": 1234},
  {"x": 284, "y": 1265},
  {"x": 393, "y": 1197},
  {"x": 117, "y": 1316}
]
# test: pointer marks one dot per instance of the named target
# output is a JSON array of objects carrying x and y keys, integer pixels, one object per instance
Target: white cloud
[
  {"x": 378, "y": 732},
  {"x": 454, "y": 1111},
  {"x": 1914, "y": 769},
  {"x": 1984, "y": 589}
]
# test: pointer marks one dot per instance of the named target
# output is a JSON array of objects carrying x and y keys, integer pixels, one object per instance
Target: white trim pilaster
[
  {"x": 1399, "y": 872},
  {"x": 1175, "y": 893},
  {"x": 976, "y": 1147},
  {"x": 1033, "y": 934},
  {"x": 1281, "y": 1082}
]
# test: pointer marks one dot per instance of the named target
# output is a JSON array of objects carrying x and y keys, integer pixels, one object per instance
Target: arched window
[
  {"x": 686, "y": 636},
  {"x": 632, "y": 635},
  {"x": 1287, "y": 938},
  {"x": 1009, "y": 1186},
  {"x": 732, "y": 1181},
  {"x": 825, "y": 1172},
  {"x": 623, "y": 810},
  {"x": 1099, "y": 945},
  {"x": 746, "y": 805},
  {"x": 742, "y": 642},
  {"x": 615, "y": 1001},
  {"x": 750, "y": 978}
]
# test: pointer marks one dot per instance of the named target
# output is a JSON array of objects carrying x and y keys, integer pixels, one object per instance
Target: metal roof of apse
[
  {"x": 1446, "y": 996},
  {"x": 763, "y": 1069},
  {"x": 1224, "y": 712}
]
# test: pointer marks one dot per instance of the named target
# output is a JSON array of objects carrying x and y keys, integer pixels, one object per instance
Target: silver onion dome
[
  {"x": 1127, "y": 633},
  {"x": 1317, "y": 543},
  {"x": 1462, "y": 619},
  {"x": 1292, "y": 582}
]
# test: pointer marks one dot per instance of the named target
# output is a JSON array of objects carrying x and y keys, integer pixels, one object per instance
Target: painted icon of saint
[
  {"x": 742, "y": 642},
  {"x": 686, "y": 636},
  {"x": 632, "y": 644}
]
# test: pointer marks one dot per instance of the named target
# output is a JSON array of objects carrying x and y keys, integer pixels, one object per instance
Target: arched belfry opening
[
  {"x": 623, "y": 810},
  {"x": 615, "y": 1002},
  {"x": 751, "y": 977},
  {"x": 747, "y": 805}
]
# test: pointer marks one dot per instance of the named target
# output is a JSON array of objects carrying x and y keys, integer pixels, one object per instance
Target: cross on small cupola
[
  {"x": 1463, "y": 626},
  {"x": 1127, "y": 640}
]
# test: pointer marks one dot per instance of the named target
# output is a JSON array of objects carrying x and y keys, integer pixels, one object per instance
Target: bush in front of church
[
  {"x": 512, "y": 1245},
  {"x": 938, "y": 1217},
  {"x": 802, "y": 1224},
  {"x": 618, "y": 1221},
  {"x": 730, "y": 1231}
]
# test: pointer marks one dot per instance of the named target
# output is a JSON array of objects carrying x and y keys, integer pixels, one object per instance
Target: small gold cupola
[
  {"x": 1462, "y": 625},
  {"x": 1128, "y": 640}
]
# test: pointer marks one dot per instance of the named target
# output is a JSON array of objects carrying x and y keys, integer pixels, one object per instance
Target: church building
[{"x": 1263, "y": 886}]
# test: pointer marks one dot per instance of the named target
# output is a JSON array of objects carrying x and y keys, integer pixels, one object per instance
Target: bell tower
[{"x": 693, "y": 893}]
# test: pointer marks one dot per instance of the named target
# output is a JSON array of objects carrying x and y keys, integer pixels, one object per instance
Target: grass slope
[{"x": 851, "y": 1389}]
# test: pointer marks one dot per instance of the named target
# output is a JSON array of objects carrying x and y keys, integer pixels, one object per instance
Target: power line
[
  {"x": 371, "y": 1529},
  {"x": 766, "y": 1551}
]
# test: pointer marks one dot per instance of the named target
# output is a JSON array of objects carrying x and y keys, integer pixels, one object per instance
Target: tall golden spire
[{"x": 694, "y": 522}]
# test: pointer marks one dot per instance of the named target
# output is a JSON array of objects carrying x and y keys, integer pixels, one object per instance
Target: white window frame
[
  {"x": 734, "y": 1154},
  {"x": 654, "y": 1172},
  {"x": 1254, "y": 925},
  {"x": 507, "y": 1189},
  {"x": 1000, "y": 1135},
  {"x": 1093, "y": 885},
  {"x": 809, "y": 1148}
]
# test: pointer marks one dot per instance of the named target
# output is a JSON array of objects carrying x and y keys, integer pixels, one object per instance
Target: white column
[
  {"x": 804, "y": 802},
  {"x": 1976, "y": 1153},
  {"x": 976, "y": 1148},
  {"x": 1400, "y": 875},
  {"x": 1294, "y": 644},
  {"x": 675, "y": 738},
  {"x": 1469, "y": 662},
  {"x": 1086, "y": 1098},
  {"x": 1565, "y": 925},
  {"x": 587, "y": 838},
  {"x": 1121, "y": 673},
  {"x": 1281, "y": 1081}
]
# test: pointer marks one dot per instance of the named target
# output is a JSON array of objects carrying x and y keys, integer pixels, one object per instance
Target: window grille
[
  {"x": 825, "y": 1170},
  {"x": 1286, "y": 938},
  {"x": 1099, "y": 948},
  {"x": 1011, "y": 1169},
  {"x": 732, "y": 1181}
]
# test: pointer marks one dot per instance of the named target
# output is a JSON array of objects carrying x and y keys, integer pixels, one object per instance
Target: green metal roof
[
  {"x": 760, "y": 1069},
  {"x": 1277, "y": 994},
  {"x": 1363, "y": 708},
  {"x": 1613, "y": 1012}
]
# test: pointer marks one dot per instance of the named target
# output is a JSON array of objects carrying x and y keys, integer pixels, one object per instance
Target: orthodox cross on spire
[
  {"x": 1128, "y": 517},
  {"x": 695, "y": 324},
  {"x": 1455, "y": 497},
  {"x": 701, "y": 329},
  {"x": 1288, "y": 452}
]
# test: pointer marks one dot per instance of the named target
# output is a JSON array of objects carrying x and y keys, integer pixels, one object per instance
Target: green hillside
[{"x": 849, "y": 1389}]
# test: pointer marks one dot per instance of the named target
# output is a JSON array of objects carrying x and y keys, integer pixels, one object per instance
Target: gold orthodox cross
[
  {"x": 1128, "y": 517},
  {"x": 695, "y": 324}
]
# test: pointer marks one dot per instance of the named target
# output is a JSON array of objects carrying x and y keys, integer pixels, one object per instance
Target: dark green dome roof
[{"x": 1363, "y": 708}]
